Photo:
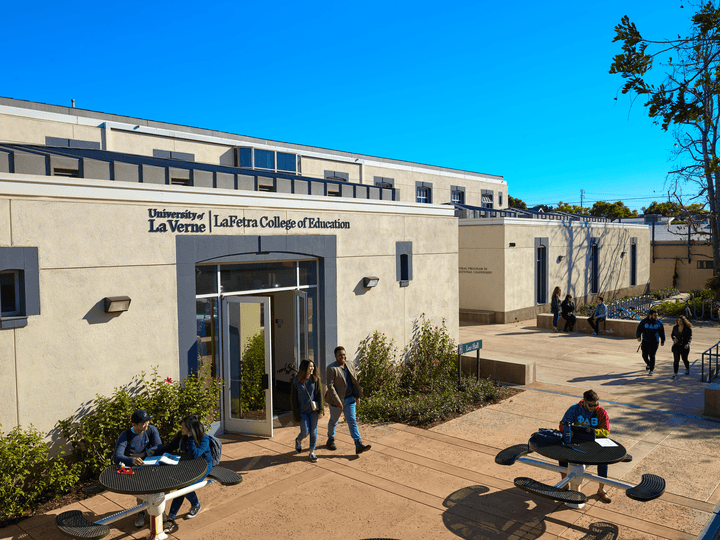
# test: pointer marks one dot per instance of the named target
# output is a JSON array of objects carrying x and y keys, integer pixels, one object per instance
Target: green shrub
[
  {"x": 94, "y": 430},
  {"x": 377, "y": 367},
  {"x": 429, "y": 357},
  {"x": 670, "y": 309},
  {"x": 702, "y": 294},
  {"x": 438, "y": 402},
  {"x": 28, "y": 476}
]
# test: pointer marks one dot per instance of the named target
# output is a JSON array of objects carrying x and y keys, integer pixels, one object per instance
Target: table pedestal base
[
  {"x": 575, "y": 475},
  {"x": 155, "y": 510}
]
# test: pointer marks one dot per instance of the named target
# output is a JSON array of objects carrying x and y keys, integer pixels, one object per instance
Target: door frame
[{"x": 263, "y": 428}]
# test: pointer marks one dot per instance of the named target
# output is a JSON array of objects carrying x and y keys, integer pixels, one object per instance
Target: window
[
  {"x": 706, "y": 265},
  {"x": 457, "y": 197},
  {"x": 500, "y": 199},
  {"x": 286, "y": 162},
  {"x": 335, "y": 175},
  {"x": 19, "y": 286},
  {"x": 10, "y": 293},
  {"x": 633, "y": 261},
  {"x": 423, "y": 192},
  {"x": 264, "y": 159},
  {"x": 381, "y": 181},
  {"x": 541, "y": 270},
  {"x": 245, "y": 158},
  {"x": 403, "y": 263},
  {"x": 594, "y": 277},
  {"x": 486, "y": 198}
]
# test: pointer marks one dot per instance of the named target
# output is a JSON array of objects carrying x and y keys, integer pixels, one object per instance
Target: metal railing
[
  {"x": 712, "y": 352},
  {"x": 693, "y": 312}
]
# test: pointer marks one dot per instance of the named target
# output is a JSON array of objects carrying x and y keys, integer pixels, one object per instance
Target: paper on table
[
  {"x": 605, "y": 442},
  {"x": 168, "y": 459}
]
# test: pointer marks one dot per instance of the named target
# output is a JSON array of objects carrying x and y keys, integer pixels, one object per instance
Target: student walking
[
  {"x": 650, "y": 331},
  {"x": 307, "y": 404},
  {"x": 681, "y": 336},
  {"x": 568, "y": 307},
  {"x": 555, "y": 307},
  {"x": 193, "y": 441}
]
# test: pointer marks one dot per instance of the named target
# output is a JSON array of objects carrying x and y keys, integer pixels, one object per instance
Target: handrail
[{"x": 710, "y": 355}]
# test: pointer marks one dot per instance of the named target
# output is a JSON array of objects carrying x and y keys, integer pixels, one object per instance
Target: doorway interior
[{"x": 255, "y": 323}]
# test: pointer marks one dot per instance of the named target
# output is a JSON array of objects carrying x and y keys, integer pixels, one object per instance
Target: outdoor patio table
[{"x": 578, "y": 455}]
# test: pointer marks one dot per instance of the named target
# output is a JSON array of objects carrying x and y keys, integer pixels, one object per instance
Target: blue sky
[{"x": 520, "y": 89}]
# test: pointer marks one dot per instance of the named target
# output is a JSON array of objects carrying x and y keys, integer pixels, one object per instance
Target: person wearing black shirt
[{"x": 568, "y": 307}]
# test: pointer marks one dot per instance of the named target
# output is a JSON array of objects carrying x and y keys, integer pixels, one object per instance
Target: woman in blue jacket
[{"x": 193, "y": 441}]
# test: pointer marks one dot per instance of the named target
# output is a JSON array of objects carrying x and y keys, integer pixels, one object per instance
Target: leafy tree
[
  {"x": 516, "y": 203},
  {"x": 611, "y": 210},
  {"x": 688, "y": 100},
  {"x": 666, "y": 208},
  {"x": 571, "y": 209}
]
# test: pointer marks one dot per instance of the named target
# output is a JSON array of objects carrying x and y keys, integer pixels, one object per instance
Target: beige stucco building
[
  {"x": 217, "y": 240},
  {"x": 509, "y": 266}
]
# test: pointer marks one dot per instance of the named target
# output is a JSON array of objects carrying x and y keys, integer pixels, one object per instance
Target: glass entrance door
[{"x": 247, "y": 363}]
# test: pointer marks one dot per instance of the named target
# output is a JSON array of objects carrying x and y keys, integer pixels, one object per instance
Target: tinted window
[
  {"x": 206, "y": 279},
  {"x": 246, "y": 157},
  {"x": 264, "y": 159},
  {"x": 285, "y": 162}
]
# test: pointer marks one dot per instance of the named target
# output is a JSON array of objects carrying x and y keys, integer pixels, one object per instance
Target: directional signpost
[{"x": 466, "y": 348}]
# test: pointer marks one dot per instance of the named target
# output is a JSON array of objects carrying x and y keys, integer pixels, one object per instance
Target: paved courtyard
[{"x": 444, "y": 483}]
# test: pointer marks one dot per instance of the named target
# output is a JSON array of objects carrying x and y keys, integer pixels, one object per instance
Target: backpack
[
  {"x": 215, "y": 450},
  {"x": 547, "y": 436}
]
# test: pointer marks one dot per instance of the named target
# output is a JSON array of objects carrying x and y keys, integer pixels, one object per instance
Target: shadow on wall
[{"x": 97, "y": 314}]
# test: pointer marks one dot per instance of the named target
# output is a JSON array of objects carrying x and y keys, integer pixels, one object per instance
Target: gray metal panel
[
  {"x": 317, "y": 188},
  {"x": 346, "y": 190},
  {"x": 63, "y": 162},
  {"x": 29, "y": 164},
  {"x": 374, "y": 193},
  {"x": 386, "y": 194},
  {"x": 152, "y": 174},
  {"x": 126, "y": 172},
  {"x": 361, "y": 192},
  {"x": 93, "y": 168},
  {"x": 202, "y": 178},
  {"x": 195, "y": 249},
  {"x": 4, "y": 162},
  {"x": 57, "y": 141},
  {"x": 163, "y": 154},
  {"x": 301, "y": 187},
  {"x": 284, "y": 185},
  {"x": 246, "y": 182},
  {"x": 225, "y": 181},
  {"x": 73, "y": 143}
]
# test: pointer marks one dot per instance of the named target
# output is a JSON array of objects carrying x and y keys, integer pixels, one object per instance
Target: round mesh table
[
  {"x": 154, "y": 478},
  {"x": 582, "y": 453}
]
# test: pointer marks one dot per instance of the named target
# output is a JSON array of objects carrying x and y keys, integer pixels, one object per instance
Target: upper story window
[
  {"x": 9, "y": 293},
  {"x": 486, "y": 198},
  {"x": 499, "y": 199},
  {"x": 335, "y": 175},
  {"x": 381, "y": 181},
  {"x": 423, "y": 191},
  {"x": 457, "y": 194},
  {"x": 256, "y": 158}
]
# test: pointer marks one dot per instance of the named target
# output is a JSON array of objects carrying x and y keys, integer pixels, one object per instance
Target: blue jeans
[
  {"x": 191, "y": 497},
  {"x": 308, "y": 425},
  {"x": 556, "y": 317},
  {"x": 349, "y": 411}
]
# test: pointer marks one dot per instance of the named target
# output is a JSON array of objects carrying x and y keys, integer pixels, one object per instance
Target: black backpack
[{"x": 215, "y": 450}]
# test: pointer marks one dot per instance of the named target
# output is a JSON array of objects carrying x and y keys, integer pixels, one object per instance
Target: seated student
[
  {"x": 133, "y": 444},
  {"x": 600, "y": 314},
  {"x": 193, "y": 441},
  {"x": 588, "y": 413},
  {"x": 568, "y": 306}
]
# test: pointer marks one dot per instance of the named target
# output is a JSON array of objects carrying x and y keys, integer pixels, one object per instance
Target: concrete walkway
[{"x": 444, "y": 483}]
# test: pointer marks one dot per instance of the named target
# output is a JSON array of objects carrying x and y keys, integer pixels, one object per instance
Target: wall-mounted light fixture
[
  {"x": 512, "y": 244},
  {"x": 623, "y": 254},
  {"x": 116, "y": 304},
  {"x": 370, "y": 282},
  {"x": 561, "y": 258}
]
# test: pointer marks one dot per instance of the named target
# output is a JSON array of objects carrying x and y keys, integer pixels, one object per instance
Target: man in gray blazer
[{"x": 343, "y": 391}]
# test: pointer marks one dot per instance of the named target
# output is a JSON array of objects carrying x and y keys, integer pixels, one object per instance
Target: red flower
[
  {"x": 424, "y": 388},
  {"x": 436, "y": 362},
  {"x": 168, "y": 380}
]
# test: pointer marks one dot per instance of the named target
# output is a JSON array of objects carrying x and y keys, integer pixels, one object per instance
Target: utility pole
[{"x": 582, "y": 193}]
